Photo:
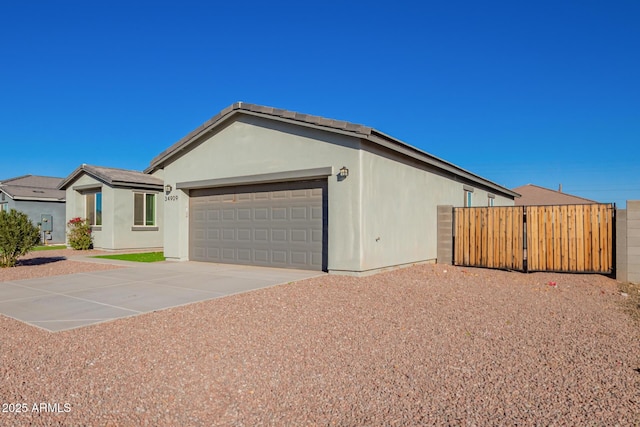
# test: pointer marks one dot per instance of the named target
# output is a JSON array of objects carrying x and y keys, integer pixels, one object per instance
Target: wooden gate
[{"x": 567, "y": 238}]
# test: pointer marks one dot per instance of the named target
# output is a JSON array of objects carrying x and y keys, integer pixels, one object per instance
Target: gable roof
[
  {"x": 317, "y": 122},
  {"x": 536, "y": 195},
  {"x": 114, "y": 177},
  {"x": 33, "y": 187}
]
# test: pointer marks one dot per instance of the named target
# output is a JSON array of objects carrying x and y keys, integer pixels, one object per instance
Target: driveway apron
[{"x": 59, "y": 303}]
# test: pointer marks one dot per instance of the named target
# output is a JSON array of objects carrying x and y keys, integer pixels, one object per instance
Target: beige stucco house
[
  {"x": 124, "y": 207},
  {"x": 263, "y": 186}
]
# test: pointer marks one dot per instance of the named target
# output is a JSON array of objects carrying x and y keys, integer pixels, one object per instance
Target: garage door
[{"x": 276, "y": 225}]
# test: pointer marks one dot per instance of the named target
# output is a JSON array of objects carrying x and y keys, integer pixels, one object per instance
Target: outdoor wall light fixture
[
  {"x": 168, "y": 188},
  {"x": 344, "y": 172}
]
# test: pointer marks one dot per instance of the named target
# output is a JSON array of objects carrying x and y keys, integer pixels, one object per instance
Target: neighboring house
[
  {"x": 124, "y": 207},
  {"x": 264, "y": 186},
  {"x": 39, "y": 198},
  {"x": 534, "y": 195}
]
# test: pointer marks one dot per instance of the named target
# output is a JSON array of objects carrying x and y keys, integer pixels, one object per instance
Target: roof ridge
[
  {"x": 257, "y": 109},
  {"x": 111, "y": 168},
  {"x": 303, "y": 117}
]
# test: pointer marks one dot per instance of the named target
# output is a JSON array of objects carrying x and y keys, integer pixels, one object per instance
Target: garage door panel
[
  {"x": 278, "y": 235},
  {"x": 261, "y": 256},
  {"x": 244, "y": 214},
  {"x": 316, "y": 259},
  {"x": 200, "y": 252},
  {"x": 261, "y": 235},
  {"x": 261, "y": 214},
  {"x": 299, "y": 236},
  {"x": 299, "y": 213},
  {"x": 279, "y": 257},
  {"x": 244, "y": 255},
  {"x": 278, "y": 225},
  {"x": 316, "y": 212},
  {"x": 279, "y": 214},
  {"x": 228, "y": 254},
  {"x": 298, "y": 258},
  {"x": 278, "y": 195}
]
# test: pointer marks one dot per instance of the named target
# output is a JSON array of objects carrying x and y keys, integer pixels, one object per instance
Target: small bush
[
  {"x": 79, "y": 235},
  {"x": 18, "y": 236}
]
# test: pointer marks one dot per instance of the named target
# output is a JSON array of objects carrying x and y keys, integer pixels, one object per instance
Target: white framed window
[
  {"x": 3, "y": 207},
  {"x": 491, "y": 200},
  {"x": 468, "y": 196},
  {"x": 144, "y": 209},
  {"x": 93, "y": 207}
]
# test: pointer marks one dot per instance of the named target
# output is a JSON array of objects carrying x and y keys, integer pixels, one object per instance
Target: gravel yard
[
  {"x": 425, "y": 345},
  {"x": 52, "y": 263}
]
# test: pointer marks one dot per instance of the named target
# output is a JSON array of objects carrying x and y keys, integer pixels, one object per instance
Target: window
[
  {"x": 93, "y": 207},
  {"x": 468, "y": 191},
  {"x": 491, "y": 200},
  {"x": 467, "y": 199},
  {"x": 3, "y": 207},
  {"x": 144, "y": 209}
]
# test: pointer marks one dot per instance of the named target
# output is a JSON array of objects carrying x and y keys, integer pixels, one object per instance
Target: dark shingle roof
[
  {"x": 33, "y": 187},
  {"x": 339, "y": 126},
  {"x": 114, "y": 177},
  {"x": 534, "y": 195}
]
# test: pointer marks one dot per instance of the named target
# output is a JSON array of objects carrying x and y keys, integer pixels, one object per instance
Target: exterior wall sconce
[
  {"x": 344, "y": 172},
  {"x": 168, "y": 188}
]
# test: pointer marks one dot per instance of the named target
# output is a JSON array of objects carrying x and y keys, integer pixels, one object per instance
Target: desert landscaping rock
[
  {"x": 53, "y": 263},
  {"x": 416, "y": 346}
]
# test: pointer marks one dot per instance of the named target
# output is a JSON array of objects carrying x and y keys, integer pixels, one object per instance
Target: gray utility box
[{"x": 46, "y": 223}]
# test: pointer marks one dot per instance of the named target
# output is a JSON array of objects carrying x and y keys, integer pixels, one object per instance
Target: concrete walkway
[{"x": 59, "y": 303}]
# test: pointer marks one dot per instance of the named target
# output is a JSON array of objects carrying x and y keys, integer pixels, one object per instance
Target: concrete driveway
[{"x": 59, "y": 303}]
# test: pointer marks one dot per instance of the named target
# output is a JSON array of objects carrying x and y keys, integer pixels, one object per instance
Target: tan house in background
[{"x": 534, "y": 195}]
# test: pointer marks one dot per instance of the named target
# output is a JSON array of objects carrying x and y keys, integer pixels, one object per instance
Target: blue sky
[{"x": 544, "y": 92}]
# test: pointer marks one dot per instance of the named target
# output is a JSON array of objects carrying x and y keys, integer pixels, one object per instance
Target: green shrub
[
  {"x": 79, "y": 235},
  {"x": 18, "y": 236}
]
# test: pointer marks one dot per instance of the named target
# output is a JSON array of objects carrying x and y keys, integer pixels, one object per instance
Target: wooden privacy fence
[{"x": 569, "y": 238}]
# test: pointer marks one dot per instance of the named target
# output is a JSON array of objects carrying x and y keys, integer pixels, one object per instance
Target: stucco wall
[
  {"x": 399, "y": 208},
  {"x": 128, "y": 236},
  {"x": 35, "y": 209},
  {"x": 252, "y": 146},
  {"x": 117, "y": 216}
]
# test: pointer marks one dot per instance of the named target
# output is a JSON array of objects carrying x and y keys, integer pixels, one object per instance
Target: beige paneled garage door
[{"x": 277, "y": 225}]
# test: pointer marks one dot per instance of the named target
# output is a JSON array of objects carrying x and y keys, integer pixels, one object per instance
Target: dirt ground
[{"x": 424, "y": 345}]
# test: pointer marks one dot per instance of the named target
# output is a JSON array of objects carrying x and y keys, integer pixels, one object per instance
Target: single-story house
[
  {"x": 124, "y": 207},
  {"x": 39, "y": 198},
  {"x": 534, "y": 195},
  {"x": 264, "y": 186}
]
